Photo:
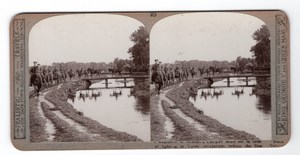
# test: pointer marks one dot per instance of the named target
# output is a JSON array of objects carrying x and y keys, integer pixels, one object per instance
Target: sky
[
  {"x": 203, "y": 36},
  {"x": 81, "y": 38}
]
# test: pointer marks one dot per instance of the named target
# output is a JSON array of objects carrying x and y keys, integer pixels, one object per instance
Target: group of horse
[
  {"x": 131, "y": 69},
  {"x": 168, "y": 75},
  {"x": 47, "y": 76}
]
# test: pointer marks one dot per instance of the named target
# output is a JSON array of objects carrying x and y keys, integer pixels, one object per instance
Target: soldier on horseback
[
  {"x": 172, "y": 76},
  {"x": 33, "y": 73},
  {"x": 71, "y": 74},
  {"x": 177, "y": 73},
  {"x": 154, "y": 69},
  {"x": 156, "y": 76},
  {"x": 36, "y": 78},
  {"x": 193, "y": 72}
]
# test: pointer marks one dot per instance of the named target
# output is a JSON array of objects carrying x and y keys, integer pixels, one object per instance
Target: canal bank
[
  {"x": 39, "y": 123},
  {"x": 180, "y": 96},
  {"x": 115, "y": 107},
  {"x": 59, "y": 98},
  {"x": 169, "y": 123}
]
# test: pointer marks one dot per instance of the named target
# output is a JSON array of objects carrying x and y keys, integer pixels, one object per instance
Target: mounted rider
[
  {"x": 35, "y": 73},
  {"x": 172, "y": 73},
  {"x": 156, "y": 71},
  {"x": 163, "y": 73},
  {"x": 177, "y": 72},
  {"x": 193, "y": 72}
]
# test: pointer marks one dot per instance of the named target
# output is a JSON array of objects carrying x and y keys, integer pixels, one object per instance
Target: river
[
  {"x": 120, "y": 111},
  {"x": 236, "y": 107}
]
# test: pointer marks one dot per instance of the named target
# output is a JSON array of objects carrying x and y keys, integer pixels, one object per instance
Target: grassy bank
[
  {"x": 59, "y": 99},
  {"x": 141, "y": 88},
  {"x": 37, "y": 123},
  {"x": 157, "y": 121},
  {"x": 64, "y": 132},
  {"x": 263, "y": 87},
  {"x": 183, "y": 130},
  {"x": 180, "y": 97}
]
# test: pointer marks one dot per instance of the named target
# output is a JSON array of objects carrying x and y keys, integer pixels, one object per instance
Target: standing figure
[{"x": 156, "y": 76}]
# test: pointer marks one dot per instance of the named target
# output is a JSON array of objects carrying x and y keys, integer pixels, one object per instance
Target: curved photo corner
[
  {"x": 98, "y": 63},
  {"x": 209, "y": 54},
  {"x": 214, "y": 73}
]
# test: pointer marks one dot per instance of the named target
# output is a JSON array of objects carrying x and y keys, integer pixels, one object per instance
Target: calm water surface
[
  {"x": 242, "y": 111},
  {"x": 120, "y": 110}
]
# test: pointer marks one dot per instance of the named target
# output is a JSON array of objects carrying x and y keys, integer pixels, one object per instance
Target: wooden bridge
[
  {"x": 246, "y": 76},
  {"x": 89, "y": 80}
]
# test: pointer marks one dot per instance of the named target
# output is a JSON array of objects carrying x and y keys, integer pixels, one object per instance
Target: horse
[
  {"x": 193, "y": 72},
  {"x": 158, "y": 81},
  {"x": 114, "y": 71},
  {"x": 36, "y": 81},
  {"x": 63, "y": 75},
  {"x": 214, "y": 70},
  {"x": 171, "y": 76},
  {"x": 186, "y": 74},
  {"x": 164, "y": 78},
  {"x": 86, "y": 73},
  {"x": 219, "y": 70},
  {"x": 71, "y": 74},
  {"x": 201, "y": 71},
  {"x": 208, "y": 71},
  {"x": 80, "y": 73},
  {"x": 47, "y": 78},
  {"x": 178, "y": 74},
  {"x": 89, "y": 72},
  {"x": 236, "y": 69},
  {"x": 96, "y": 72},
  {"x": 57, "y": 76}
]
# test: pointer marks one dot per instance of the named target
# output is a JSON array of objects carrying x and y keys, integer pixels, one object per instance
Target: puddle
[
  {"x": 190, "y": 120},
  {"x": 49, "y": 126},
  {"x": 71, "y": 122},
  {"x": 169, "y": 125}
]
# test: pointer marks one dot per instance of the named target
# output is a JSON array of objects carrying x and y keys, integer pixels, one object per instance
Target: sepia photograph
[
  {"x": 89, "y": 79},
  {"x": 150, "y": 80},
  {"x": 210, "y": 78}
]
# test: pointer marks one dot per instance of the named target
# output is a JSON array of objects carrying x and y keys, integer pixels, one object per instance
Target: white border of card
[{"x": 36, "y": 106}]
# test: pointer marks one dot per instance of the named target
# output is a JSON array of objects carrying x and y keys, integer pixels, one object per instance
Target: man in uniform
[
  {"x": 33, "y": 73},
  {"x": 162, "y": 73},
  {"x": 154, "y": 70}
]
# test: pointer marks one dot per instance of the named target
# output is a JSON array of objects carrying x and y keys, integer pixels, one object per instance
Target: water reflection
[
  {"x": 263, "y": 104},
  {"x": 237, "y": 107},
  {"x": 213, "y": 93},
  {"x": 238, "y": 92},
  {"x": 142, "y": 105},
  {"x": 116, "y": 108}
]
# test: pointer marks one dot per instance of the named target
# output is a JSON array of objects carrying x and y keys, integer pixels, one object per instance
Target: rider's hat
[
  {"x": 34, "y": 62},
  {"x": 155, "y": 60}
]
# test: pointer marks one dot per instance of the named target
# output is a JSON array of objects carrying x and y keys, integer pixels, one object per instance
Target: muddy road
[
  {"x": 52, "y": 118},
  {"x": 174, "y": 118}
]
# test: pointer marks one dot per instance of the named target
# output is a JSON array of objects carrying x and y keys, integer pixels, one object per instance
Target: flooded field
[
  {"x": 116, "y": 108},
  {"x": 236, "y": 106}
]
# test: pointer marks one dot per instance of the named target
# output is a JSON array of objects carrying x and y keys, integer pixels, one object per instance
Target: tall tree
[
  {"x": 261, "y": 50},
  {"x": 242, "y": 62},
  {"x": 140, "y": 50}
]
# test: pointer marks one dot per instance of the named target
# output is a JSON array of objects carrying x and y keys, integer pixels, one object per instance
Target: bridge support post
[
  {"x": 228, "y": 81},
  {"x": 125, "y": 83},
  {"x": 106, "y": 83},
  {"x": 246, "y": 80}
]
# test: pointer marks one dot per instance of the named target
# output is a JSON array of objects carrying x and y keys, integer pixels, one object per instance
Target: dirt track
[
  {"x": 69, "y": 126},
  {"x": 189, "y": 123}
]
